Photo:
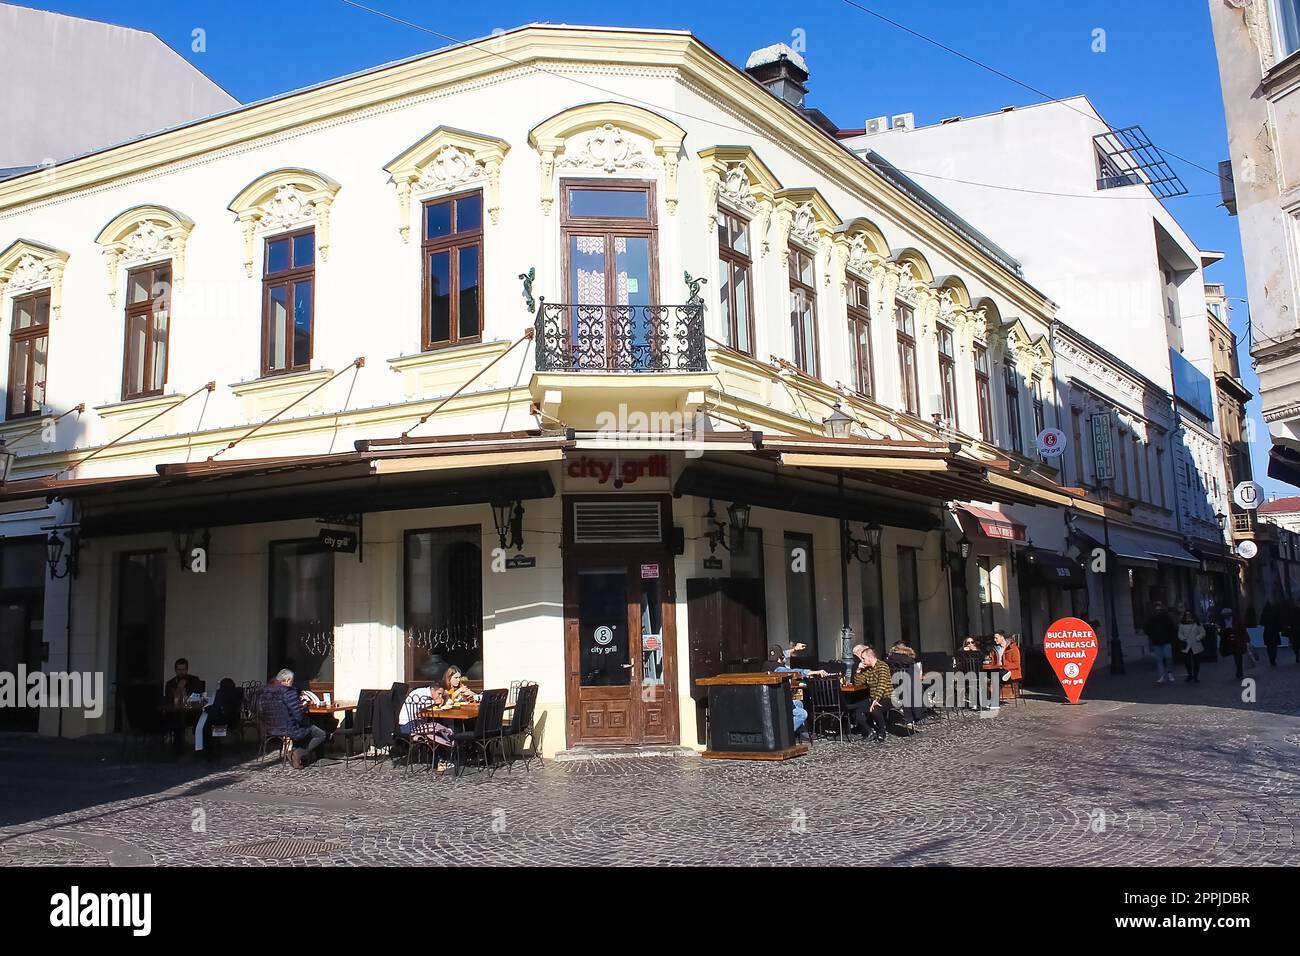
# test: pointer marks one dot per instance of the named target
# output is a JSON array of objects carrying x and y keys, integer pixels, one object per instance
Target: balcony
[
  {"x": 620, "y": 338},
  {"x": 1243, "y": 522}
]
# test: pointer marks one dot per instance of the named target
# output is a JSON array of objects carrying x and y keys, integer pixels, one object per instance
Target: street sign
[
  {"x": 1070, "y": 646},
  {"x": 518, "y": 561},
  {"x": 1051, "y": 443},
  {"x": 1103, "y": 452},
  {"x": 1247, "y": 549},
  {"x": 1248, "y": 495},
  {"x": 336, "y": 540}
]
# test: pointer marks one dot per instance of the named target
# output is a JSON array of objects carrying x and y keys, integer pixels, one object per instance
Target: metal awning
[
  {"x": 994, "y": 524},
  {"x": 1053, "y": 568},
  {"x": 1138, "y": 548}
]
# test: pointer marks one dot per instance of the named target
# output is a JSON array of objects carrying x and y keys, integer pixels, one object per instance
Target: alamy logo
[
  {"x": 53, "y": 689},
  {"x": 77, "y": 909}
]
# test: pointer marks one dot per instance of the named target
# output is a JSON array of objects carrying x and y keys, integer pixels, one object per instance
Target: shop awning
[
  {"x": 994, "y": 524},
  {"x": 1136, "y": 548},
  {"x": 1054, "y": 569},
  {"x": 1170, "y": 552}
]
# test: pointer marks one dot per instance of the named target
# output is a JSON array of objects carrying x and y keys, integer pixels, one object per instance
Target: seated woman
[
  {"x": 969, "y": 644},
  {"x": 425, "y": 729},
  {"x": 454, "y": 684}
]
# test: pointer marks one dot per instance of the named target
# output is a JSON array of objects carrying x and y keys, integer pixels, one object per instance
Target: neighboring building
[
  {"x": 1258, "y": 45},
  {"x": 1235, "y": 427},
  {"x": 301, "y": 341},
  {"x": 1282, "y": 512},
  {"x": 73, "y": 86},
  {"x": 1275, "y": 570},
  {"x": 1080, "y": 206}
]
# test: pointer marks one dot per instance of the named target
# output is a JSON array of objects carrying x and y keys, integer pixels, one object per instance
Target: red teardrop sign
[{"x": 1071, "y": 647}]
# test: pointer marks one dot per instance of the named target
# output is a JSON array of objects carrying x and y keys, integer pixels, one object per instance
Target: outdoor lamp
[
  {"x": 837, "y": 423},
  {"x": 58, "y": 553},
  {"x": 866, "y": 548},
  {"x": 739, "y": 515},
  {"x": 6, "y": 461},
  {"x": 738, "y": 512},
  {"x": 1219, "y": 516},
  {"x": 873, "y": 532},
  {"x": 517, "y": 527},
  {"x": 186, "y": 542},
  {"x": 963, "y": 547},
  {"x": 53, "y": 551},
  {"x": 501, "y": 512}
]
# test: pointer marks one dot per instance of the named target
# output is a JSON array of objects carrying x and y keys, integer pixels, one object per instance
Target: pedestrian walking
[
  {"x": 1233, "y": 640},
  {"x": 1161, "y": 631},
  {"x": 1271, "y": 620},
  {"x": 1192, "y": 636}
]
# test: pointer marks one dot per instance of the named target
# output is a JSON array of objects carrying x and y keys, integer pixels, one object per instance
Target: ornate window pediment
[
  {"x": 736, "y": 178},
  {"x": 610, "y": 138},
  {"x": 445, "y": 161},
  {"x": 914, "y": 276},
  {"x": 860, "y": 248},
  {"x": 145, "y": 234},
  {"x": 281, "y": 200},
  {"x": 805, "y": 217},
  {"x": 26, "y": 266}
]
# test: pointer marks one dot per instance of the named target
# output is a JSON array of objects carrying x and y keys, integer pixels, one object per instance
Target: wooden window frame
[
  {"x": 611, "y": 228},
  {"x": 906, "y": 344},
  {"x": 1015, "y": 427},
  {"x": 735, "y": 262},
  {"x": 291, "y": 277},
  {"x": 803, "y": 357},
  {"x": 146, "y": 308},
  {"x": 29, "y": 334},
  {"x": 983, "y": 392},
  {"x": 451, "y": 243},
  {"x": 947, "y": 373},
  {"x": 859, "y": 319}
]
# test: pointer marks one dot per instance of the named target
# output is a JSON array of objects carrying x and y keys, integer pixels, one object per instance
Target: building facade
[
  {"x": 449, "y": 363},
  {"x": 1258, "y": 47}
]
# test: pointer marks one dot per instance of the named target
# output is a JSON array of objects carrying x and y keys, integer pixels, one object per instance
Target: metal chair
[
  {"x": 144, "y": 719},
  {"x": 422, "y": 734},
  {"x": 521, "y": 727},
  {"x": 272, "y": 723},
  {"x": 486, "y": 731},
  {"x": 825, "y": 702}
]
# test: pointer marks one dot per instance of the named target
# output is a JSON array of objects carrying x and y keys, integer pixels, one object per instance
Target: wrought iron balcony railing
[{"x": 620, "y": 338}]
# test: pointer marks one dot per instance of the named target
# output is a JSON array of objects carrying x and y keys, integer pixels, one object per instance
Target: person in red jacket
[{"x": 1006, "y": 656}]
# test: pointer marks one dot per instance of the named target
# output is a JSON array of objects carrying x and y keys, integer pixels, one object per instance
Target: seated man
[
  {"x": 1006, "y": 658},
  {"x": 780, "y": 658},
  {"x": 297, "y": 726},
  {"x": 874, "y": 674},
  {"x": 176, "y": 694}
]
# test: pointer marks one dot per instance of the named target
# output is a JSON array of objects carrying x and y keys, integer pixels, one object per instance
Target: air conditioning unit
[
  {"x": 878, "y": 125},
  {"x": 903, "y": 121}
]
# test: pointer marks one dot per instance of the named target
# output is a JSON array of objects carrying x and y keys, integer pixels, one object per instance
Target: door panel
[{"x": 604, "y": 653}]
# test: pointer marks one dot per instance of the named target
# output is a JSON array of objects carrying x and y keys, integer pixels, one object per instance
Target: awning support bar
[{"x": 210, "y": 387}]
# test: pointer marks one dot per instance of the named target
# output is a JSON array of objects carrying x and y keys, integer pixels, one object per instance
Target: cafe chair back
[
  {"x": 825, "y": 705},
  {"x": 363, "y": 723},
  {"x": 487, "y": 731},
  {"x": 272, "y": 724},
  {"x": 520, "y": 729}
]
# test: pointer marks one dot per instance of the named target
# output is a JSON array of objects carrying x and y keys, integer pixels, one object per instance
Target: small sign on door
[{"x": 649, "y": 570}]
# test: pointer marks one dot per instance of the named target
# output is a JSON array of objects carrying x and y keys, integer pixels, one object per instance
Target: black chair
[
  {"x": 970, "y": 662},
  {"x": 902, "y": 715},
  {"x": 144, "y": 717},
  {"x": 248, "y": 718},
  {"x": 388, "y": 707},
  {"x": 520, "y": 728},
  {"x": 825, "y": 703},
  {"x": 486, "y": 731},
  {"x": 363, "y": 723}
]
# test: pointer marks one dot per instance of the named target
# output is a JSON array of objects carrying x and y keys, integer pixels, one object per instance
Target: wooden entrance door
[
  {"x": 620, "y": 639},
  {"x": 727, "y": 631}
]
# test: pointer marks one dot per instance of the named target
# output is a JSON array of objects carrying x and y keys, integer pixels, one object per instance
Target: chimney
[{"x": 782, "y": 71}]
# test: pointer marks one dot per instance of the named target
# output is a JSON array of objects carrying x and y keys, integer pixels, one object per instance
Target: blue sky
[{"x": 1158, "y": 69}]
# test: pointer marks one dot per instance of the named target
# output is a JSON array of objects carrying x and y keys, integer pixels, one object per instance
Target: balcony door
[{"x": 610, "y": 251}]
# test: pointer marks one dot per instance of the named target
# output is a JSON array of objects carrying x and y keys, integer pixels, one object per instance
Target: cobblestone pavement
[{"x": 1137, "y": 774}]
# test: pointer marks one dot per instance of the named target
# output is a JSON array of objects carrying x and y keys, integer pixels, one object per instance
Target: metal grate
[
  {"x": 278, "y": 849},
  {"x": 614, "y": 522},
  {"x": 1126, "y": 157}
]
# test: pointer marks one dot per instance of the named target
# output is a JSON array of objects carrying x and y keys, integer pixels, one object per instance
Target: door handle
[{"x": 627, "y": 665}]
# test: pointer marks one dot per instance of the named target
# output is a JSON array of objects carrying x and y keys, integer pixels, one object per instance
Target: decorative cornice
[{"x": 735, "y": 177}]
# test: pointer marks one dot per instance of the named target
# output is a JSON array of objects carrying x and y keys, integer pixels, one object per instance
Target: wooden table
[
  {"x": 331, "y": 708},
  {"x": 459, "y": 712}
]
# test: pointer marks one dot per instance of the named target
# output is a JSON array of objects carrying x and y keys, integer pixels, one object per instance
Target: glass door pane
[
  {"x": 604, "y": 656},
  {"x": 652, "y": 633}
]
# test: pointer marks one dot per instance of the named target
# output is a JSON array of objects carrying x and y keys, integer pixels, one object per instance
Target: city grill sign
[{"x": 1103, "y": 453}]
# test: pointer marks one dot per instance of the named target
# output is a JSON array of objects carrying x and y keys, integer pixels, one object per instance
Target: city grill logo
[
  {"x": 76, "y": 909},
  {"x": 53, "y": 689}
]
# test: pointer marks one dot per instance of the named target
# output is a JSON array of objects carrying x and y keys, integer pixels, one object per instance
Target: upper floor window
[
  {"x": 859, "y": 315},
  {"x": 148, "y": 318},
  {"x": 983, "y": 393},
  {"x": 803, "y": 310},
  {"x": 288, "y": 302},
  {"x": 29, "y": 344},
  {"x": 1286, "y": 26},
  {"x": 453, "y": 270},
  {"x": 1040, "y": 420},
  {"x": 735, "y": 283},
  {"x": 904, "y": 323},
  {"x": 610, "y": 230},
  {"x": 947, "y": 374},
  {"x": 1014, "y": 438}
]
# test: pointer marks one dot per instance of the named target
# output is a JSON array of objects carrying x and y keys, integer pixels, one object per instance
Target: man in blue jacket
[{"x": 292, "y": 723}]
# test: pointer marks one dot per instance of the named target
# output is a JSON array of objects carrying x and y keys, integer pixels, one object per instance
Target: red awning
[{"x": 994, "y": 524}]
